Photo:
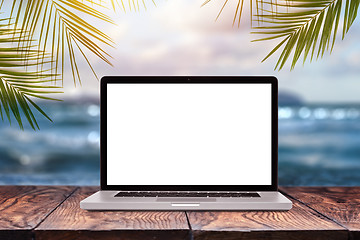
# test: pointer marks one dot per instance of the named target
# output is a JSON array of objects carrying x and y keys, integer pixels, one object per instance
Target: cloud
[
  {"x": 179, "y": 38},
  {"x": 189, "y": 16}
]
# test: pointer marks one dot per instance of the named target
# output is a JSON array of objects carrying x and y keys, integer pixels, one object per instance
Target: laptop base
[{"x": 105, "y": 200}]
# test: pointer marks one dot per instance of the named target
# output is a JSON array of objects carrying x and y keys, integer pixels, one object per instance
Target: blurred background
[{"x": 319, "y": 102}]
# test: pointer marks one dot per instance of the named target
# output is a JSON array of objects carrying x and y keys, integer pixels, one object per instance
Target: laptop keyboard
[{"x": 188, "y": 194}]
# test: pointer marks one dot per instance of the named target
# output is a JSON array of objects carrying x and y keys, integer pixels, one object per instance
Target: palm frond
[
  {"x": 18, "y": 85},
  {"x": 307, "y": 27},
  {"x": 15, "y": 96},
  {"x": 255, "y": 7},
  {"x": 130, "y": 4},
  {"x": 62, "y": 30}
]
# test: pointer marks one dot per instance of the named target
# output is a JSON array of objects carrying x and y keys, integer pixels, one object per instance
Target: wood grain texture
[
  {"x": 77, "y": 223},
  {"x": 299, "y": 223},
  {"x": 113, "y": 235},
  {"x": 43, "y": 212},
  {"x": 22, "y": 208},
  {"x": 342, "y": 204}
]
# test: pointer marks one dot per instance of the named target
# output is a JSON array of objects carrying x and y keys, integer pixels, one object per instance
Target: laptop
[{"x": 188, "y": 143}]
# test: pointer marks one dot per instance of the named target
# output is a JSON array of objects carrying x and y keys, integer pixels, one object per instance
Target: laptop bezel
[{"x": 189, "y": 80}]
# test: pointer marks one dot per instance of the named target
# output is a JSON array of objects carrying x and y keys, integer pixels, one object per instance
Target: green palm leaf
[
  {"x": 19, "y": 84},
  {"x": 307, "y": 27},
  {"x": 62, "y": 30},
  {"x": 239, "y": 9}
]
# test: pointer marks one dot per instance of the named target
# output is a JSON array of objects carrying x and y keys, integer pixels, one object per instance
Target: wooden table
[{"x": 53, "y": 212}]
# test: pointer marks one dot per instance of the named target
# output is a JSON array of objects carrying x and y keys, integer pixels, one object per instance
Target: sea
[{"x": 317, "y": 145}]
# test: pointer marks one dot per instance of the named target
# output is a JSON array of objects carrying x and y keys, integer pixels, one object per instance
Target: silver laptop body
[{"x": 188, "y": 143}]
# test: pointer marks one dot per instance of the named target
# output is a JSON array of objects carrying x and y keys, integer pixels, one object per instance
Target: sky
[{"x": 178, "y": 37}]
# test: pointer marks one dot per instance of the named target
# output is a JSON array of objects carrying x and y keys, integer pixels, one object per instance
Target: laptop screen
[{"x": 189, "y": 134}]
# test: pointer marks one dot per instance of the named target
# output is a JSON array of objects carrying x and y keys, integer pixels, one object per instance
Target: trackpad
[{"x": 189, "y": 200}]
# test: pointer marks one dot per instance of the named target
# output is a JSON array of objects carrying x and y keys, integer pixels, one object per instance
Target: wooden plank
[
  {"x": 70, "y": 222},
  {"x": 22, "y": 208},
  {"x": 298, "y": 223},
  {"x": 113, "y": 235},
  {"x": 342, "y": 204}
]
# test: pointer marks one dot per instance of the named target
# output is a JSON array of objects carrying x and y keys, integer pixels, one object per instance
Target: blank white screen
[{"x": 189, "y": 134}]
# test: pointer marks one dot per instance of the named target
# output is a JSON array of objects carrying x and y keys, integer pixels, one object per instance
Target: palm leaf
[
  {"x": 239, "y": 9},
  {"x": 308, "y": 27},
  {"x": 19, "y": 84},
  {"x": 15, "y": 98},
  {"x": 62, "y": 30},
  {"x": 131, "y": 4}
]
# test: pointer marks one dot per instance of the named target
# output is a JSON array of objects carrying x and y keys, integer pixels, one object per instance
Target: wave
[
  {"x": 319, "y": 113},
  {"x": 317, "y": 145}
]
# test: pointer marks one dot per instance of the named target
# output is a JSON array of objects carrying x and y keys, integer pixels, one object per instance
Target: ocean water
[{"x": 318, "y": 145}]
